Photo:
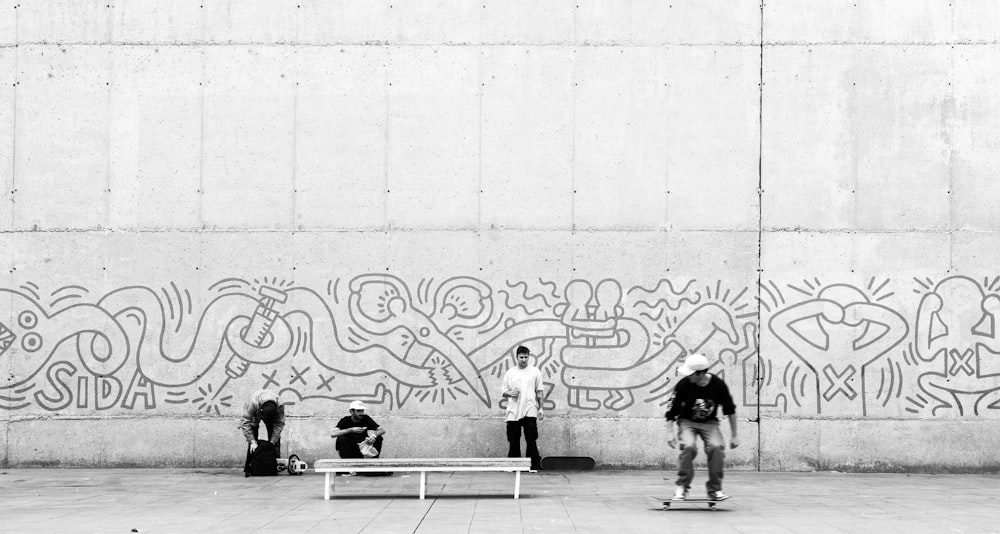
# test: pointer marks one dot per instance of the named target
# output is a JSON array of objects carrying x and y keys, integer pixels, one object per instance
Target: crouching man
[
  {"x": 356, "y": 429},
  {"x": 262, "y": 406}
]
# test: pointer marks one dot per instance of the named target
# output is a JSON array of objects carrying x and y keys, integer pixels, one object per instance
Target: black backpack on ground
[{"x": 263, "y": 461}]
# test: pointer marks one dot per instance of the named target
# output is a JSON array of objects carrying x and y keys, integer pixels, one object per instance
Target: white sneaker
[
  {"x": 680, "y": 493},
  {"x": 717, "y": 496}
]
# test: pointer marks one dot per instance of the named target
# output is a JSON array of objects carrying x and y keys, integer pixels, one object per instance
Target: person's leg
[
  {"x": 715, "y": 450},
  {"x": 514, "y": 439},
  {"x": 378, "y": 446},
  {"x": 348, "y": 448},
  {"x": 530, "y": 439},
  {"x": 685, "y": 459},
  {"x": 270, "y": 434}
]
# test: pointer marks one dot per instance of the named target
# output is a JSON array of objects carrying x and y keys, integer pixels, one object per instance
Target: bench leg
[
  {"x": 517, "y": 484},
  {"x": 423, "y": 484},
  {"x": 326, "y": 488}
]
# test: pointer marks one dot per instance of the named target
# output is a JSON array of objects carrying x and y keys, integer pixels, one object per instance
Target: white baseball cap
[
  {"x": 358, "y": 405},
  {"x": 694, "y": 362}
]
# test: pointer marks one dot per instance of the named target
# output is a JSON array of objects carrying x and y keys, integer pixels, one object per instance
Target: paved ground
[{"x": 200, "y": 500}]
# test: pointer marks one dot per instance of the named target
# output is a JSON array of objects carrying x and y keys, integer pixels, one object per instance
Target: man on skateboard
[
  {"x": 697, "y": 398},
  {"x": 523, "y": 389}
]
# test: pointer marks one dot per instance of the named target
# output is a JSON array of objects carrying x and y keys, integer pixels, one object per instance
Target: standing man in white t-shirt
[{"x": 522, "y": 387}]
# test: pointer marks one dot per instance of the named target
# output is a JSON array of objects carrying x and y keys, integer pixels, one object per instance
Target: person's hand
[
  {"x": 369, "y": 440},
  {"x": 541, "y": 415},
  {"x": 734, "y": 442},
  {"x": 513, "y": 393},
  {"x": 253, "y": 446},
  {"x": 358, "y": 429},
  {"x": 672, "y": 443}
]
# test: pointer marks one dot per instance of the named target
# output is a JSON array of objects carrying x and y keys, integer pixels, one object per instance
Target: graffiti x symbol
[
  {"x": 838, "y": 382},
  {"x": 325, "y": 382},
  {"x": 961, "y": 362},
  {"x": 269, "y": 379},
  {"x": 298, "y": 376}
]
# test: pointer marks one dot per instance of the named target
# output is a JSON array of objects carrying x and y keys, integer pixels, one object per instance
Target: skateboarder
[
  {"x": 697, "y": 398},
  {"x": 523, "y": 389},
  {"x": 357, "y": 428},
  {"x": 262, "y": 406}
]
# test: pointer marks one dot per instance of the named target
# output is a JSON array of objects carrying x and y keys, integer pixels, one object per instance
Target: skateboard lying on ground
[
  {"x": 292, "y": 464},
  {"x": 667, "y": 502},
  {"x": 567, "y": 463}
]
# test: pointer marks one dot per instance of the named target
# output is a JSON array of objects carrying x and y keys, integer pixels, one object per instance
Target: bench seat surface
[{"x": 424, "y": 464}]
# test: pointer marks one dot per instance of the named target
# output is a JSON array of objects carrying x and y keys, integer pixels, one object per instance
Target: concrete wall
[{"x": 805, "y": 192}]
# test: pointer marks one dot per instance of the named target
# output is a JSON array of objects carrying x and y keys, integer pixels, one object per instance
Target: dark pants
[
  {"x": 715, "y": 449},
  {"x": 347, "y": 447},
  {"x": 530, "y": 426},
  {"x": 254, "y": 430}
]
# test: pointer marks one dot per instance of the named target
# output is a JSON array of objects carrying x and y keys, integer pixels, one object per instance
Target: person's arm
[
  {"x": 246, "y": 424},
  {"x": 729, "y": 409},
  {"x": 734, "y": 440},
  {"x": 539, "y": 393},
  {"x": 671, "y": 434},
  {"x": 507, "y": 389},
  {"x": 673, "y": 410},
  {"x": 338, "y": 431}
]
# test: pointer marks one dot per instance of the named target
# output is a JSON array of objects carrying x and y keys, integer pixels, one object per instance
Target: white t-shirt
[{"x": 527, "y": 381}]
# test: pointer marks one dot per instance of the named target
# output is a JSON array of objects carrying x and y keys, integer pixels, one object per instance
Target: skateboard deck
[
  {"x": 667, "y": 503},
  {"x": 567, "y": 463}
]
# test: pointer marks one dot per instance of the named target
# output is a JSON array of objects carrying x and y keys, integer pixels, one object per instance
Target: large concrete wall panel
[
  {"x": 621, "y": 118},
  {"x": 526, "y": 141},
  {"x": 433, "y": 122},
  {"x": 155, "y": 138},
  {"x": 713, "y": 142},
  {"x": 8, "y": 92},
  {"x": 885, "y": 21},
  {"x": 64, "y": 21},
  {"x": 647, "y": 22},
  {"x": 63, "y": 136},
  {"x": 974, "y": 137},
  {"x": 876, "y": 155},
  {"x": 158, "y": 21},
  {"x": 247, "y": 158},
  {"x": 341, "y": 119}
]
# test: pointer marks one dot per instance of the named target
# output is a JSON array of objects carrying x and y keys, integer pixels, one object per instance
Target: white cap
[
  {"x": 358, "y": 405},
  {"x": 694, "y": 362}
]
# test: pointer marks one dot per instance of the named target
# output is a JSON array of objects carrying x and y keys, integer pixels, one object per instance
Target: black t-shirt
[
  {"x": 700, "y": 403},
  {"x": 367, "y": 422}
]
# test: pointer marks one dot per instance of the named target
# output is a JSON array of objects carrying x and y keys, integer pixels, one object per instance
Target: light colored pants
[{"x": 715, "y": 447}]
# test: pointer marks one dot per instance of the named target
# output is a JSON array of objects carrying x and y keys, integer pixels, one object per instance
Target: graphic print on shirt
[{"x": 702, "y": 410}]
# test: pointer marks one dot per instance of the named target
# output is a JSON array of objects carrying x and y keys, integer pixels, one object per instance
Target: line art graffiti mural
[{"x": 442, "y": 345}]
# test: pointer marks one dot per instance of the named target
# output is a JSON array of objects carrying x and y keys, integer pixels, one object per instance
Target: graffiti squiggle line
[
  {"x": 555, "y": 289},
  {"x": 514, "y": 307},
  {"x": 526, "y": 296},
  {"x": 670, "y": 286},
  {"x": 664, "y": 301},
  {"x": 651, "y": 317}
]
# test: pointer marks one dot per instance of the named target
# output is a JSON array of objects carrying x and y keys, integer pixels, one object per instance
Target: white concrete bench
[{"x": 423, "y": 466}]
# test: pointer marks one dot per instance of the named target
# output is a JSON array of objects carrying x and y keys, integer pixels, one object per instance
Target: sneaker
[
  {"x": 680, "y": 493},
  {"x": 717, "y": 496}
]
